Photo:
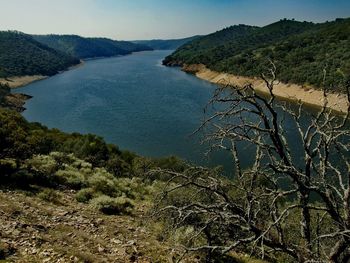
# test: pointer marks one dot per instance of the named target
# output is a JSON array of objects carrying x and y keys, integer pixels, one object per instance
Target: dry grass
[{"x": 69, "y": 231}]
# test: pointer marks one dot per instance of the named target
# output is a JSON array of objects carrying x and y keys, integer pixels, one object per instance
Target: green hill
[
  {"x": 165, "y": 44},
  {"x": 81, "y": 47},
  {"x": 21, "y": 55},
  {"x": 300, "y": 50}
]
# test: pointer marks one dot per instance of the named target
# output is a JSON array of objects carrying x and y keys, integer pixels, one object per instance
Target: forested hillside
[
  {"x": 165, "y": 44},
  {"x": 21, "y": 55},
  {"x": 81, "y": 47},
  {"x": 300, "y": 50}
]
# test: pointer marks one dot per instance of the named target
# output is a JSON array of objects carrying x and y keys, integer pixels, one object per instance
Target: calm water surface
[
  {"x": 132, "y": 101},
  {"x": 137, "y": 104}
]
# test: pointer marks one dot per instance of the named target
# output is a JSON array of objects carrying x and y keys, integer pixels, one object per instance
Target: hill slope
[
  {"x": 21, "y": 55},
  {"x": 165, "y": 44},
  {"x": 35, "y": 230},
  {"x": 81, "y": 47},
  {"x": 300, "y": 50},
  {"x": 75, "y": 198}
]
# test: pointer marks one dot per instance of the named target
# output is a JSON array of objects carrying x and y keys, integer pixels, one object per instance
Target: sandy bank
[
  {"x": 295, "y": 92},
  {"x": 16, "y": 82}
]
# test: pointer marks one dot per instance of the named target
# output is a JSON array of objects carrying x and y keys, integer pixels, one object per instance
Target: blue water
[{"x": 131, "y": 101}]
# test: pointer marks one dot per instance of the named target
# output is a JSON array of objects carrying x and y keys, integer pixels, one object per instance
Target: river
[
  {"x": 132, "y": 101},
  {"x": 136, "y": 103}
]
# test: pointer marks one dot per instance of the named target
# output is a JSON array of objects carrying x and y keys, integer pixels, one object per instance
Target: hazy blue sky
[{"x": 146, "y": 19}]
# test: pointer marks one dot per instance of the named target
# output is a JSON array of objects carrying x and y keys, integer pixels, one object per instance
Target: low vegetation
[
  {"x": 69, "y": 177},
  {"x": 73, "y": 179}
]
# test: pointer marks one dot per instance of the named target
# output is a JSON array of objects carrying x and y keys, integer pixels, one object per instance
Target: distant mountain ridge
[
  {"x": 83, "y": 48},
  {"x": 28, "y": 55},
  {"x": 300, "y": 50},
  {"x": 21, "y": 55},
  {"x": 165, "y": 44}
]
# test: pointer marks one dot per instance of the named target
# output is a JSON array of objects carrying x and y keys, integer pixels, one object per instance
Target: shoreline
[
  {"x": 17, "y": 82},
  {"x": 16, "y": 101},
  {"x": 21, "y": 81},
  {"x": 293, "y": 92}
]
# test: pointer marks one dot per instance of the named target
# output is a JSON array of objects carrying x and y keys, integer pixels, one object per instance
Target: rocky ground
[
  {"x": 35, "y": 230},
  {"x": 16, "y": 101}
]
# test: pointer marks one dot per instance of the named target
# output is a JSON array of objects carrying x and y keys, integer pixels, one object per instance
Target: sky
[{"x": 155, "y": 19}]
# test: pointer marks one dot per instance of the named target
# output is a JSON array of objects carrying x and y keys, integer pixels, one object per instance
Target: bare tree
[{"x": 292, "y": 203}]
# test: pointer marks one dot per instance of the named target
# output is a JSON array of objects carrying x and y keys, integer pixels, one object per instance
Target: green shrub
[
  {"x": 45, "y": 164},
  {"x": 133, "y": 188},
  {"x": 50, "y": 195},
  {"x": 62, "y": 158},
  {"x": 85, "y": 195},
  {"x": 7, "y": 166},
  {"x": 42, "y": 168},
  {"x": 112, "y": 206},
  {"x": 71, "y": 178},
  {"x": 103, "y": 183}
]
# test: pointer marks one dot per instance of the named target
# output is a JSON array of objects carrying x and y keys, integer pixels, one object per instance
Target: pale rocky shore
[
  {"x": 307, "y": 95},
  {"x": 16, "y": 101},
  {"x": 16, "y": 82},
  {"x": 20, "y": 81}
]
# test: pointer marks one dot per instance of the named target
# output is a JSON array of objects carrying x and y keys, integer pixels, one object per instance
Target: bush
[
  {"x": 134, "y": 188},
  {"x": 103, "y": 183},
  {"x": 72, "y": 179},
  {"x": 85, "y": 195},
  {"x": 112, "y": 206},
  {"x": 50, "y": 195},
  {"x": 43, "y": 163}
]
